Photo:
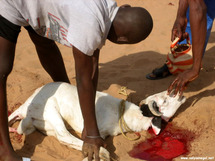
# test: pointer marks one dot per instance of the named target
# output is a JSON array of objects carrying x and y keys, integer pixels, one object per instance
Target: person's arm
[
  {"x": 180, "y": 24},
  {"x": 87, "y": 77},
  {"x": 198, "y": 23}
]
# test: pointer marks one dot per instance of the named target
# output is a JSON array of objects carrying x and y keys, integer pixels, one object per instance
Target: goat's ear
[
  {"x": 146, "y": 111},
  {"x": 142, "y": 103},
  {"x": 156, "y": 125}
]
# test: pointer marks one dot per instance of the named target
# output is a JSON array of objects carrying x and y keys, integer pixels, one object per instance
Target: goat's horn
[
  {"x": 142, "y": 102},
  {"x": 154, "y": 108}
]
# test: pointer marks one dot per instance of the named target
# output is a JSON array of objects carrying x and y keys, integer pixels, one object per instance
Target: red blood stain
[
  {"x": 18, "y": 138},
  {"x": 9, "y": 113},
  {"x": 170, "y": 143},
  {"x": 138, "y": 134}
]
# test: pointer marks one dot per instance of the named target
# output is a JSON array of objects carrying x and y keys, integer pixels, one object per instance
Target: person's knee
[
  {"x": 40, "y": 41},
  {"x": 4, "y": 75},
  {"x": 5, "y": 70},
  {"x": 7, "y": 53}
]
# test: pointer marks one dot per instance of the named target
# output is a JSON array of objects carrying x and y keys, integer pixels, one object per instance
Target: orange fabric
[{"x": 179, "y": 61}]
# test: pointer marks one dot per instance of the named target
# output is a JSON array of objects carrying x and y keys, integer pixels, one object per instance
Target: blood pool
[{"x": 169, "y": 144}]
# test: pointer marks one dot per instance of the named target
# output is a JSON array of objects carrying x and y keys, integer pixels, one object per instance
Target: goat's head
[
  {"x": 151, "y": 110},
  {"x": 160, "y": 106}
]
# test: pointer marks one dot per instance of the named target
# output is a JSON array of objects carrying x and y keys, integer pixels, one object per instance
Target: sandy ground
[{"x": 121, "y": 65}]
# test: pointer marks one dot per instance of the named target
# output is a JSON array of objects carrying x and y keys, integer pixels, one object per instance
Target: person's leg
[
  {"x": 210, "y": 17},
  {"x": 8, "y": 36},
  {"x": 49, "y": 55}
]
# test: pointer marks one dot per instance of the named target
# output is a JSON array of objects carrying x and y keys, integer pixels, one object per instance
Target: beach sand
[{"x": 121, "y": 65}]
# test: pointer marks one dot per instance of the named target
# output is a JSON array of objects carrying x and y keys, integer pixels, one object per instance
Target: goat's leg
[
  {"x": 11, "y": 129},
  {"x": 65, "y": 137},
  {"x": 15, "y": 116},
  {"x": 55, "y": 120},
  {"x": 62, "y": 134},
  {"x": 26, "y": 126}
]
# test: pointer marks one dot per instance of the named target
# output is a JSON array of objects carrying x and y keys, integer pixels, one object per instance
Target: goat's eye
[{"x": 165, "y": 102}]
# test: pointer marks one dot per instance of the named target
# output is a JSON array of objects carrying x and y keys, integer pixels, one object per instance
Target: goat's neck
[{"x": 134, "y": 118}]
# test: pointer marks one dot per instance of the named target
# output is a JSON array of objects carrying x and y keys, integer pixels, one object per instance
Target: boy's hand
[
  {"x": 181, "y": 82},
  {"x": 179, "y": 28},
  {"x": 91, "y": 148}
]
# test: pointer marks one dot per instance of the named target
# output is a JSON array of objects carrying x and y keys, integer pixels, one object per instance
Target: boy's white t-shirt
[{"x": 81, "y": 23}]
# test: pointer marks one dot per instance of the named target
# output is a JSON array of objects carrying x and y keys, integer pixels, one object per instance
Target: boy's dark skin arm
[
  {"x": 198, "y": 23},
  {"x": 87, "y": 78}
]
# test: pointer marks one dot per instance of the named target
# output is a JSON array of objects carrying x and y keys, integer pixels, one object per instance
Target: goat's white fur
[{"x": 54, "y": 109}]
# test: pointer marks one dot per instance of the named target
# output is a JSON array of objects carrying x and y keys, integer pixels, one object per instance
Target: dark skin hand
[
  {"x": 91, "y": 147},
  {"x": 198, "y": 23},
  {"x": 87, "y": 78}
]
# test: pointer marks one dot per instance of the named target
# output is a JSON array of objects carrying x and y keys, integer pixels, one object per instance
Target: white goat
[{"x": 54, "y": 108}]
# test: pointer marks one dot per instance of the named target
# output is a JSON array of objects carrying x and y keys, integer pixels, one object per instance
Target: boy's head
[{"x": 130, "y": 25}]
